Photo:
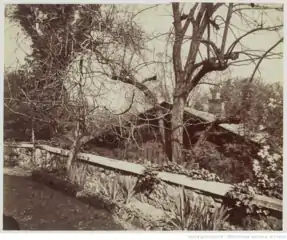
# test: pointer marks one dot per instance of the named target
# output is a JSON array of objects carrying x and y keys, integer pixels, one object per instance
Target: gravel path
[{"x": 38, "y": 207}]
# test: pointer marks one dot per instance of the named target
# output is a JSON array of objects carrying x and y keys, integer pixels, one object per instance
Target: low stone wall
[{"x": 211, "y": 193}]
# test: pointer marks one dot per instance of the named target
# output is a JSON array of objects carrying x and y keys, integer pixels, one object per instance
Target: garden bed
[
  {"x": 59, "y": 181},
  {"x": 119, "y": 192}
]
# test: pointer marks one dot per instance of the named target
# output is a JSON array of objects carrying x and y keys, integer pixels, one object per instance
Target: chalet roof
[{"x": 237, "y": 129}]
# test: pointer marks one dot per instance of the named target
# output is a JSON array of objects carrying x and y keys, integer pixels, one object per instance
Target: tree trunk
[
  {"x": 75, "y": 147},
  {"x": 177, "y": 128},
  {"x": 161, "y": 125},
  {"x": 33, "y": 139},
  {"x": 201, "y": 140}
]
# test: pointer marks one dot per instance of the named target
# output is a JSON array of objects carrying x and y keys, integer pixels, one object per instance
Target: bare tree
[{"x": 195, "y": 27}]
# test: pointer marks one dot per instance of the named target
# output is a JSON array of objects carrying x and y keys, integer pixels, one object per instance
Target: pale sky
[{"x": 159, "y": 20}]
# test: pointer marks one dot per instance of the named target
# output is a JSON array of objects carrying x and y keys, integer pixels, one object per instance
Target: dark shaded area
[
  {"x": 58, "y": 181},
  {"x": 238, "y": 216},
  {"x": 9, "y": 223},
  {"x": 38, "y": 207},
  {"x": 224, "y": 153}
]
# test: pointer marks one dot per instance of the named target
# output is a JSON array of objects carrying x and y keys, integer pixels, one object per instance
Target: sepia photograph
[{"x": 143, "y": 117}]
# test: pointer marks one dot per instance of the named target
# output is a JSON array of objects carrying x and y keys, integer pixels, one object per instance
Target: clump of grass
[
  {"x": 182, "y": 216},
  {"x": 77, "y": 174},
  {"x": 111, "y": 189},
  {"x": 207, "y": 220},
  {"x": 188, "y": 216},
  {"x": 128, "y": 187}
]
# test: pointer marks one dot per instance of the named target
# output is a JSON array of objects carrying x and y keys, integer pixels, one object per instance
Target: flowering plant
[{"x": 269, "y": 172}]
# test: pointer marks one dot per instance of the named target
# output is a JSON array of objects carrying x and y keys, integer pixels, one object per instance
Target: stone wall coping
[{"x": 213, "y": 188}]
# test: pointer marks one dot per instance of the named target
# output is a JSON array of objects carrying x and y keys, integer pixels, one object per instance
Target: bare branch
[
  {"x": 263, "y": 57},
  {"x": 224, "y": 38}
]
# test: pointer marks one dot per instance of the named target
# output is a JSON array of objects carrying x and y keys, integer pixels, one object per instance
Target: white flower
[
  {"x": 260, "y": 154},
  {"x": 270, "y": 159},
  {"x": 257, "y": 168},
  {"x": 251, "y": 190},
  {"x": 273, "y": 165},
  {"x": 255, "y": 162},
  {"x": 276, "y": 156},
  {"x": 267, "y": 147},
  {"x": 271, "y": 105},
  {"x": 261, "y": 127}
]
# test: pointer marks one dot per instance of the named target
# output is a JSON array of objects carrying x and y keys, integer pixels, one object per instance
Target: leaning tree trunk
[{"x": 177, "y": 128}]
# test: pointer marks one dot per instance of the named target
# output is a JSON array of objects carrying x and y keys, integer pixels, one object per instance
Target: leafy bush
[
  {"x": 268, "y": 180},
  {"x": 172, "y": 167},
  {"x": 263, "y": 223},
  {"x": 147, "y": 181},
  {"x": 269, "y": 173}
]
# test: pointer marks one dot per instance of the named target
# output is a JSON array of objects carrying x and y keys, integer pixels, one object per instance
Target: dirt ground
[{"x": 38, "y": 207}]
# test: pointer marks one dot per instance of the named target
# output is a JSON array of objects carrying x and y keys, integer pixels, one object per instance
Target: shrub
[{"x": 261, "y": 223}]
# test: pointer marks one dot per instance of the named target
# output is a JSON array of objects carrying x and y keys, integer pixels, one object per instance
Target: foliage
[
  {"x": 258, "y": 104},
  {"x": 268, "y": 171},
  {"x": 147, "y": 182},
  {"x": 58, "y": 31},
  {"x": 60, "y": 35},
  {"x": 128, "y": 187},
  {"x": 27, "y": 106},
  {"x": 231, "y": 156},
  {"x": 172, "y": 167},
  {"x": 10, "y": 157},
  {"x": 261, "y": 111},
  {"x": 188, "y": 216},
  {"x": 110, "y": 188},
  {"x": 78, "y": 174},
  {"x": 183, "y": 218},
  {"x": 263, "y": 223}
]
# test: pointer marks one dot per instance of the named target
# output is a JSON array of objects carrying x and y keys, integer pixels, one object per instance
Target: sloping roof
[{"x": 237, "y": 129}]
